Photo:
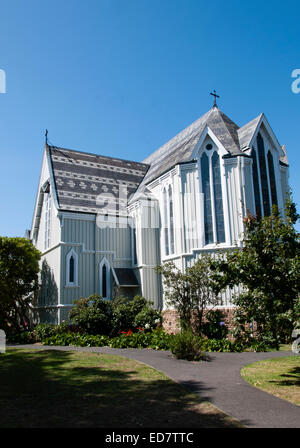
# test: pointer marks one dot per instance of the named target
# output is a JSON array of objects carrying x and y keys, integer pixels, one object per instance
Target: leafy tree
[
  {"x": 19, "y": 267},
  {"x": 268, "y": 268},
  {"x": 190, "y": 293}
]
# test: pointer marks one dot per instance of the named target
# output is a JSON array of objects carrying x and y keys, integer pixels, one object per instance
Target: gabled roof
[
  {"x": 180, "y": 148},
  {"x": 245, "y": 133},
  {"x": 81, "y": 177}
]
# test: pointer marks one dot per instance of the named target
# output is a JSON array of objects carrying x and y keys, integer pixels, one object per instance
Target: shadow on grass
[
  {"x": 53, "y": 389},
  {"x": 292, "y": 378}
]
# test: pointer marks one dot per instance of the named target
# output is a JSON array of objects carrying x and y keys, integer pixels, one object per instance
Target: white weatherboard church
[{"x": 103, "y": 224}]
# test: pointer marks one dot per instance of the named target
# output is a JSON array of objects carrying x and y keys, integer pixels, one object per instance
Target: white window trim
[
  {"x": 105, "y": 262},
  {"x": 166, "y": 219},
  {"x": 210, "y": 154},
  {"x": 47, "y": 217},
  {"x": 68, "y": 257}
]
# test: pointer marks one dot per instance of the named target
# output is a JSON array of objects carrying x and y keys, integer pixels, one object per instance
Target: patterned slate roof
[{"x": 91, "y": 183}]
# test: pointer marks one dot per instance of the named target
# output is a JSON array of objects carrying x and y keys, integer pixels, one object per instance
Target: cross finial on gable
[
  {"x": 46, "y": 137},
  {"x": 215, "y": 98}
]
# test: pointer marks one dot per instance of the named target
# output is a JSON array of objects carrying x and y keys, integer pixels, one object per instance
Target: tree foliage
[
  {"x": 190, "y": 293},
  {"x": 19, "y": 267},
  {"x": 268, "y": 268}
]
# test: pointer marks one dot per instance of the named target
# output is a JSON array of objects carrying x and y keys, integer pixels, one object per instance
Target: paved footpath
[{"x": 217, "y": 381}]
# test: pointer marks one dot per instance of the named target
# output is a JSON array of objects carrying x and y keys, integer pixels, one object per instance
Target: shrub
[
  {"x": 215, "y": 327},
  {"x": 128, "y": 314},
  {"x": 24, "y": 337},
  {"x": 221, "y": 345},
  {"x": 186, "y": 345},
  {"x": 93, "y": 315},
  {"x": 148, "y": 318}
]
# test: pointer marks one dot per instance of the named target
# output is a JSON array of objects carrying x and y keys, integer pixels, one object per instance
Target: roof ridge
[
  {"x": 177, "y": 138},
  {"x": 59, "y": 148}
]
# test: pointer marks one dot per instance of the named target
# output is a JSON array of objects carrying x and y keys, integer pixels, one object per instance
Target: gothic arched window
[
  {"x": 166, "y": 228},
  {"x": 72, "y": 268},
  {"x": 272, "y": 179},
  {"x": 206, "y": 190},
  {"x": 104, "y": 272},
  {"x": 47, "y": 206},
  {"x": 256, "y": 183},
  {"x": 263, "y": 175},
  {"x": 171, "y": 218},
  {"x": 219, "y": 212},
  {"x": 214, "y": 228}
]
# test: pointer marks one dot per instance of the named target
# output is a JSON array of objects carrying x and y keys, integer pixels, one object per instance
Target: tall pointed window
[
  {"x": 168, "y": 220},
  {"x": 134, "y": 246},
  {"x": 272, "y": 179},
  {"x": 47, "y": 207},
  {"x": 171, "y": 219},
  {"x": 166, "y": 227},
  {"x": 264, "y": 186},
  {"x": 105, "y": 286},
  {"x": 256, "y": 183},
  {"x": 72, "y": 268},
  {"x": 219, "y": 213},
  {"x": 263, "y": 175},
  {"x": 214, "y": 228},
  {"x": 206, "y": 190}
]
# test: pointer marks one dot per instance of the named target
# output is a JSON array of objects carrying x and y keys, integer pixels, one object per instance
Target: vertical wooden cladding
[
  {"x": 79, "y": 231},
  {"x": 190, "y": 194},
  {"x": 234, "y": 198},
  {"x": 116, "y": 240}
]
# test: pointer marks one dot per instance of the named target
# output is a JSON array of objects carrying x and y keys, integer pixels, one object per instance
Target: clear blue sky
[{"x": 121, "y": 77}]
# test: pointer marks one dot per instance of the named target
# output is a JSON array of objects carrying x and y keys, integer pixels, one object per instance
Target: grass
[
  {"x": 278, "y": 376},
  {"x": 51, "y": 388}
]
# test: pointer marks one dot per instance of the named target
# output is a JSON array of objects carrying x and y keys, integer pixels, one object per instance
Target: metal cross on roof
[
  {"x": 46, "y": 136},
  {"x": 215, "y": 97}
]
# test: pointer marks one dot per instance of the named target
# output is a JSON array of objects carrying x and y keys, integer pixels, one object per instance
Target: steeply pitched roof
[
  {"x": 80, "y": 178},
  {"x": 245, "y": 133},
  {"x": 180, "y": 148}
]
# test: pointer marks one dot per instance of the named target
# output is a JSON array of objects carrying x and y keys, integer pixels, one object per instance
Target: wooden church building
[{"x": 103, "y": 224}]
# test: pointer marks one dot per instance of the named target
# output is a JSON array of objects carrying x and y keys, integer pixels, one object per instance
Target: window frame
[
  {"x": 69, "y": 255},
  {"x": 209, "y": 154},
  {"x": 105, "y": 262}
]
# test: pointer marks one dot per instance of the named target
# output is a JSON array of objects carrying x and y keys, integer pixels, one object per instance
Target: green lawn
[
  {"x": 51, "y": 388},
  {"x": 278, "y": 376}
]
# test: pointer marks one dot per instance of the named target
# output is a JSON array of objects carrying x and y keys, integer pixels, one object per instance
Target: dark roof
[
  {"x": 181, "y": 147},
  {"x": 126, "y": 277},
  {"x": 80, "y": 178}
]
